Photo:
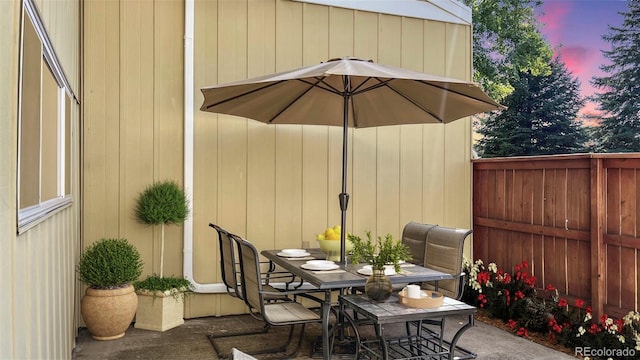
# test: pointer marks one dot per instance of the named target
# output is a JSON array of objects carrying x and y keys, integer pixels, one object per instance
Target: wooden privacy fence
[{"x": 574, "y": 218}]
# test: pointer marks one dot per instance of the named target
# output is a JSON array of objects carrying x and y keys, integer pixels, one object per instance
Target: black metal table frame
[
  {"x": 422, "y": 344},
  {"x": 331, "y": 281}
]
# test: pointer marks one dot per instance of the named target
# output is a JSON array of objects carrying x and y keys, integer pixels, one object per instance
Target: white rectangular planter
[{"x": 160, "y": 312}]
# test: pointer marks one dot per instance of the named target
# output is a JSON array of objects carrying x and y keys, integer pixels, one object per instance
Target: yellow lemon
[
  {"x": 331, "y": 235},
  {"x": 328, "y": 233}
]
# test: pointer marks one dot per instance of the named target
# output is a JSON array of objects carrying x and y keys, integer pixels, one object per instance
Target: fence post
[{"x": 598, "y": 192}]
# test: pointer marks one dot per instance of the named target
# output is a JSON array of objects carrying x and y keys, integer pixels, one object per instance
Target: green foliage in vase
[
  {"x": 379, "y": 252},
  {"x": 109, "y": 264}
]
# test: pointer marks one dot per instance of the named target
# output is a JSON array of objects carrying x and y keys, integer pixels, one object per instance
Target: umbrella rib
[
  {"x": 385, "y": 83},
  {"x": 284, "y": 108},
  {"x": 328, "y": 87},
  {"x": 244, "y": 94},
  {"x": 454, "y": 92}
]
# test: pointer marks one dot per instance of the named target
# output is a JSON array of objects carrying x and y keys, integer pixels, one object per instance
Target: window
[{"x": 44, "y": 126}]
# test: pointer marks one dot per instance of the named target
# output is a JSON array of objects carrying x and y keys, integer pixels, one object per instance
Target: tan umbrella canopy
[{"x": 348, "y": 92}]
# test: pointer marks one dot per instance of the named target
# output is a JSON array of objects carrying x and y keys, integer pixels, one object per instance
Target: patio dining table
[{"x": 346, "y": 276}]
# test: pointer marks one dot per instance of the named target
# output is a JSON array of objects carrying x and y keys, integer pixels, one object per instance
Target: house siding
[
  {"x": 39, "y": 313},
  {"x": 274, "y": 185}
]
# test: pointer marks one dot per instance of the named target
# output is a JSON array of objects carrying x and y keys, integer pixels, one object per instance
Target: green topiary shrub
[
  {"x": 162, "y": 203},
  {"x": 109, "y": 264}
]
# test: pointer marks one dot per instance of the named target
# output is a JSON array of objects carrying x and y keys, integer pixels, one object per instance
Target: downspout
[{"x": 189, "y": 21}]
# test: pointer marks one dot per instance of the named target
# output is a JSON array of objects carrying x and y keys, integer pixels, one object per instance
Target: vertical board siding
[
  {"x": 39, "y": 317},
  {"x": 10, "y": 18},
  {"x": 46, "y": 309},
  {"x": 275, "y": 185},
  {"x": 539, "y": 209}
]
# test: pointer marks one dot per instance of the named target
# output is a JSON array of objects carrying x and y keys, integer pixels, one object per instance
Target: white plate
[
  {"x": 320, "y": 262},
  {"x": 366, "y": 270},
  {"x": 296, "y": 255},
  {"x": 320, "y": 267}
]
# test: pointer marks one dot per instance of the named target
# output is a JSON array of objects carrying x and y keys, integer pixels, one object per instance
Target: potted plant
[
  {"x": 379, "y": 253},
  {"x": 109, "y": 267},
  {"x": 161, "y": 299}
]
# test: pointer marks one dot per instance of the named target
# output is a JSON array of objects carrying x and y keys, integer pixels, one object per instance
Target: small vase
[{"x": 378, "y": 286}]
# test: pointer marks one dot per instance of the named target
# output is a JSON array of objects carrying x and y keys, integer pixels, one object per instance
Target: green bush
[
  {"x": 109, "y": 263},
  {"x": 174, "y": 285},
  {"x": 162, "y": 203}
]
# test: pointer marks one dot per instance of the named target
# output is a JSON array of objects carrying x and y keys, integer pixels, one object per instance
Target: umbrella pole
[{"x": 344, "y": 196}]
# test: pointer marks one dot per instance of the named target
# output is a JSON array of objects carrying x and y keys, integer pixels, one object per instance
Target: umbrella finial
[{"x": 349, "y": 58}]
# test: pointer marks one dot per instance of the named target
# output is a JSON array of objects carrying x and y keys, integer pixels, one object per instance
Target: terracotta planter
[
  {"x": 159, "y": 311},
  {"x": 108, "y": 313},
  {"x": 378, "y": 286}
]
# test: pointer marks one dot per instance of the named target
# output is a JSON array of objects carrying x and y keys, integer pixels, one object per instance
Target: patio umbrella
[{"x": 348, "y": 92}]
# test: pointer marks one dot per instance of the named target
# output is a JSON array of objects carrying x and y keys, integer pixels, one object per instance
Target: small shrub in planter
[
  {"x": 109, "y": 263},
  {"x": 173, "y": 286},
  {"x": 109, "y": 267}
]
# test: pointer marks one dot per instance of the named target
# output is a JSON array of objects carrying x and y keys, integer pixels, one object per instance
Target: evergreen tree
[
  {"x": 540, "y": 118},
  {"x": 506, "y": 41},
  {"x": 620, "y": 99}
]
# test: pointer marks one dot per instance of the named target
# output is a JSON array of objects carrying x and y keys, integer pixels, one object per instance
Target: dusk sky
[{"x": 577, "y": 27}]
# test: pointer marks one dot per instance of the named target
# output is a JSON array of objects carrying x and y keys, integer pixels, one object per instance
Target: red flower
[
  {"x": 519, "y": 295},
  {"x": 620, "y": 324},
  {"x": 506, "y": 294},
  {"x": 512, "y": 324},
  {"x": 594, "y": 329},
  {"x": 552, "y": 322},
  {"x": 531, "y": 280},
  {"x": 482, "y": 298},
  {"x": 579, "y": 303},
  {"x": 604, "y": 318},
  {"x": 550, "y": 287},
  {"x": 507, "y": 278},
  {"x": 525, "y": 264},
  {"x": 557, "y": 328},
  {"x": 562, "y": 303},
  {"x": 483, "y": 277},
  {"x": 589, "y": 309},
  {"x": 523, "y": 332}
]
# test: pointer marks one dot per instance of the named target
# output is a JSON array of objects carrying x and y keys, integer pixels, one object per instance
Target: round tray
[{"x": 429, "y": 299}]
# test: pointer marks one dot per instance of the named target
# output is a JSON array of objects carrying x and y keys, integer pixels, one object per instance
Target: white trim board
[{"x": 451, "y": 11}]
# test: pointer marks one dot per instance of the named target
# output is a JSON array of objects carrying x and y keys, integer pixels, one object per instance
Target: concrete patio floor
[{"x": 190, "y": 341}]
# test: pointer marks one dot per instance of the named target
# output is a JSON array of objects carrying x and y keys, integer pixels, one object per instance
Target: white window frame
[{"x": 29, "y": 217}]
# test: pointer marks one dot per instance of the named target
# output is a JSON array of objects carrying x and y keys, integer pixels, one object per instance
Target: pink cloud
[
  {"x": 554, "y": 20},
  {"x": 579, "y": 59}
]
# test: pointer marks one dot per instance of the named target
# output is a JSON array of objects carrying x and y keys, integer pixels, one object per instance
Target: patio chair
[
  {"x": 444, "y": 252},
  {"x": 285, "y": 311},
  {"x": 414, "y": 235},
  {"x": 230, "y": 265},
  {"x": 230, "y": 271}
]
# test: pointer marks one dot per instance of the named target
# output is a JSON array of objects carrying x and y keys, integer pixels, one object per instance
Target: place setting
[
  {"x": 322, "y": 266},
  {"x": 295, "y": 254}
]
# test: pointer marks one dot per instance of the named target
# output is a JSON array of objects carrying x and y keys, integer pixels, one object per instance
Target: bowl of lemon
[{"x": 329, "y": 242}]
